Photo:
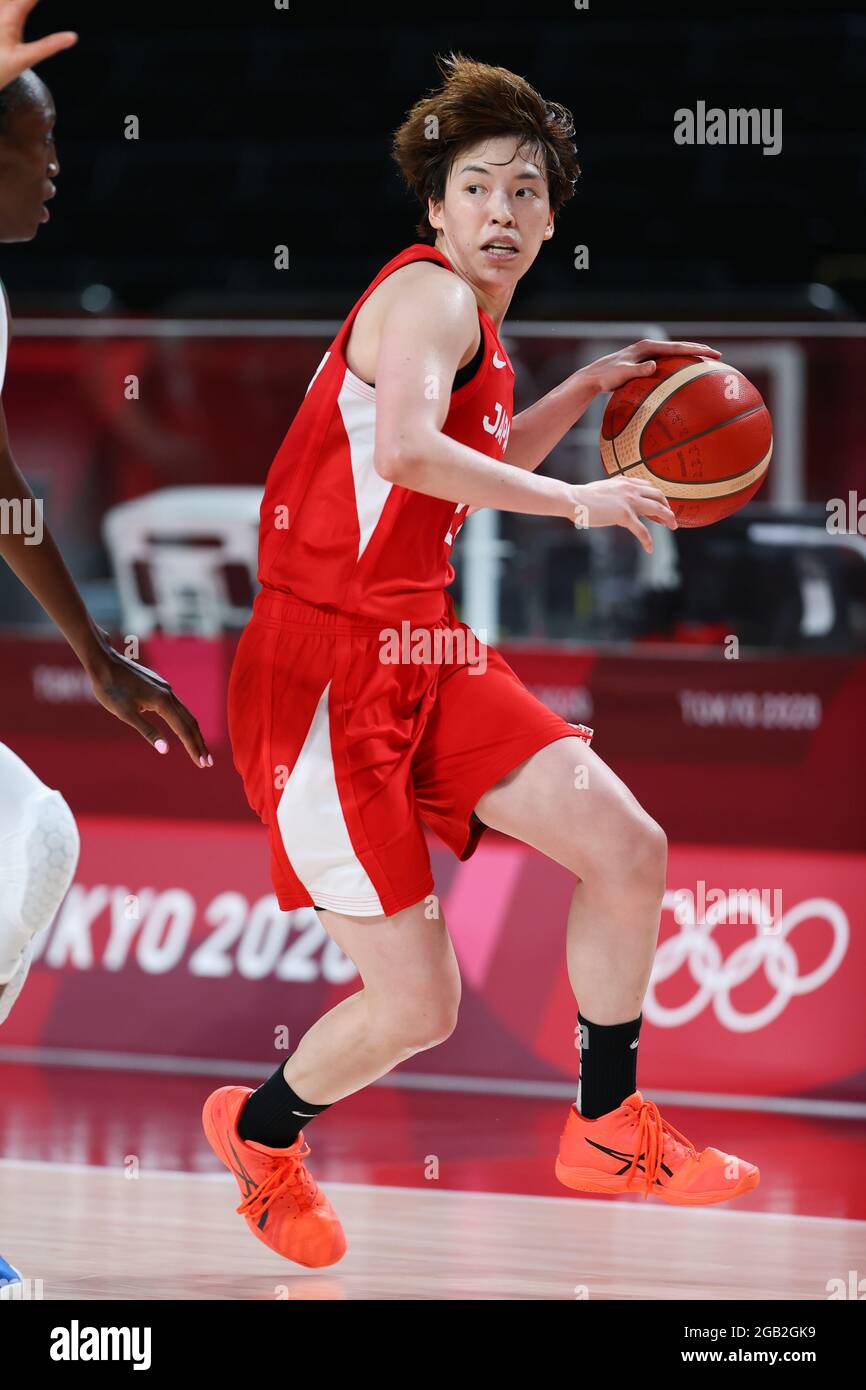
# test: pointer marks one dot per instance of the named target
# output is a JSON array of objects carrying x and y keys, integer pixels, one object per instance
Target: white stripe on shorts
[{"x": 314, "y": 832}]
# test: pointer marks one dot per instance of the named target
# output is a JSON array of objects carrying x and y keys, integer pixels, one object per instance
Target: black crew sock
[
  {"x": 274, "y": 1115},
  {"x": 608, "y": 1065}
]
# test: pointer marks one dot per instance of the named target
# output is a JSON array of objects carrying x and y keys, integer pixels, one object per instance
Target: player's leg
[
  {"x": 323, "y": 734},
  {"x": 492, "y": 749},
  {"x": 409, "y": 1002},
  {"x": 39, "y": 848},
  {"x": 494, "y": 755},
  {"x": 341, "y": 727},
  {"x": 566, "y": 802}
]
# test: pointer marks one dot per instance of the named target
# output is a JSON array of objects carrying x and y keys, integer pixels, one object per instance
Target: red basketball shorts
[{"x": 347, "y": 740}]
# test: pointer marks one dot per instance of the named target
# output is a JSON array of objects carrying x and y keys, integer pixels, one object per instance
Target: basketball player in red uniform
[{"x": 348, "y": 740}]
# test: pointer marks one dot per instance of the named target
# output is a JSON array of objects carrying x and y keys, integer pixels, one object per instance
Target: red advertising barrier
[
  {"x": 765, "y": 750},
  {"x": 170, "y": 942}
]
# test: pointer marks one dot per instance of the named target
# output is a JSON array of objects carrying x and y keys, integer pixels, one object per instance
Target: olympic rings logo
[{"x": 715, "y": 978}]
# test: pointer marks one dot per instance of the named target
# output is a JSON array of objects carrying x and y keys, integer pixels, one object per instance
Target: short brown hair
[{"x": 478, "y": 100}]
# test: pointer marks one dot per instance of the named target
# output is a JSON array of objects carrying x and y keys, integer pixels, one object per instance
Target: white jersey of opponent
[{"x": 38, "y": 838}]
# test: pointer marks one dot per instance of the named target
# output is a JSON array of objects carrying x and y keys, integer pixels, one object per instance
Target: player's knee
[
  {"x": 51, "y": 851},
  {"x": 433, "y": 1030},
  {"x": 646, "y": 853},
  {"x": 427, "y": 1021},
  {"x": 633, "y": 858}
]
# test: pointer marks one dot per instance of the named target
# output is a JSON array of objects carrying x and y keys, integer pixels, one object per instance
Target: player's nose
[{"x": 502, "y": 210}]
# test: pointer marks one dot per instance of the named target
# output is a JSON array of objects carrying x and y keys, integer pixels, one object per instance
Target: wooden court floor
[{"x": 108, "y": 1190}]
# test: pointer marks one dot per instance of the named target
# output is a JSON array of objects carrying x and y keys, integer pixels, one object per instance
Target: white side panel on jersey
[
  {"x": 318, "y": 369},
  {"x": 357, "y": 406},
  {"x": 314, "y": 832},
  {"x": 4, "y": 336}
]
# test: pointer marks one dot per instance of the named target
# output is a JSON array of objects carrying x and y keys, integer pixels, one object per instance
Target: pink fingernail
[
  {"x": 209, "y": 760},
  {"x": 161, "y": 746},
  {"x": 201, "y": 761}
]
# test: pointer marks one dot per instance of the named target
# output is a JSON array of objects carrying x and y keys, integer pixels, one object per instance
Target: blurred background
[
  {"x": 267, "y": 131},
  {"x": 271, "y": 127}
]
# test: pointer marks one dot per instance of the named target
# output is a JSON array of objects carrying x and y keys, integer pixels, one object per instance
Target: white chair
[{"x": 185, "y": 558}]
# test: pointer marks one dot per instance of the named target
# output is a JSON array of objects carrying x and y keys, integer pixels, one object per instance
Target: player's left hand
[
  {"x": 639, "y": 359},
  {"x": 15, "y": 54},
  {"x": 127, "y": 690}
]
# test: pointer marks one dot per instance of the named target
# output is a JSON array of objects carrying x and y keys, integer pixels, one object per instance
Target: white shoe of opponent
[{"x": 37, "y": 863}]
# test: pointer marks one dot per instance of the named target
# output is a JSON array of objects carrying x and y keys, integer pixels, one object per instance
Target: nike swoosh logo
[
  {"x": 635, "y": 1043},
  {"x": 496, "y": 361},
  {"x": 308, "y": 1114}
]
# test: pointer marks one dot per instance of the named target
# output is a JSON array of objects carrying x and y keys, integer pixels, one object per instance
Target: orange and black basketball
[{"x": 698, "y": 429}]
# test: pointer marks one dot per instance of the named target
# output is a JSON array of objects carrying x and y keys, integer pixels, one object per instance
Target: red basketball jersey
[{"x": 333, "y": 532}]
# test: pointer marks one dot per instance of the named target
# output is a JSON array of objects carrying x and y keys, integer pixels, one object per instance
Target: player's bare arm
[
  {"x": 424, "y": 335},
  {"x": 125, "y": 688},
  {"x": 536, "y": 431},
  {"x": 15, "y": 54}
]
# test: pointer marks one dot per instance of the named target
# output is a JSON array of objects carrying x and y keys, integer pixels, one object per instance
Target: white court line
[
  {"x": 36, "y": 1164},
  {"x": 431, "y": 1081}
]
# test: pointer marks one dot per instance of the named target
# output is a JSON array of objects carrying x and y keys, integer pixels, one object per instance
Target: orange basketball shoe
[
  {"x": 282, "y": 1203},
  {"x": 632, "y": 1149}
]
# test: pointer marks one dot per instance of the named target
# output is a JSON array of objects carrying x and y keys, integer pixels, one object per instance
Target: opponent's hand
[
  {"x": 127, "y": 689},
  {"x": 621, "y": 502},
  {"x": 15, "y": 55},
  {"x": 640, "y": 359}
]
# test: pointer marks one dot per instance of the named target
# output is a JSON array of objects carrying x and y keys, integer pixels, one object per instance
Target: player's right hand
[
  {"x": 129, "y": 690},
  {"x": 621, "y": 502},
  {"x": 15, "y": 55}
]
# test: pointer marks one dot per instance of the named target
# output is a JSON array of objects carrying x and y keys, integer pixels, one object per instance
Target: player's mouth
[
  {"x": 45, "y": 215},
  {"x": 499, "y": 249}
]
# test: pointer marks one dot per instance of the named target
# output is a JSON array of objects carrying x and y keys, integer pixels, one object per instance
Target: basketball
[{"x": 698, "y": 429}]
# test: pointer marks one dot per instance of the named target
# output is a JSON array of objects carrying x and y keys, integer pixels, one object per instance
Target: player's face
[
  {"x": 28, "y": 163},
  {"x": 494, "y": 191}
]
